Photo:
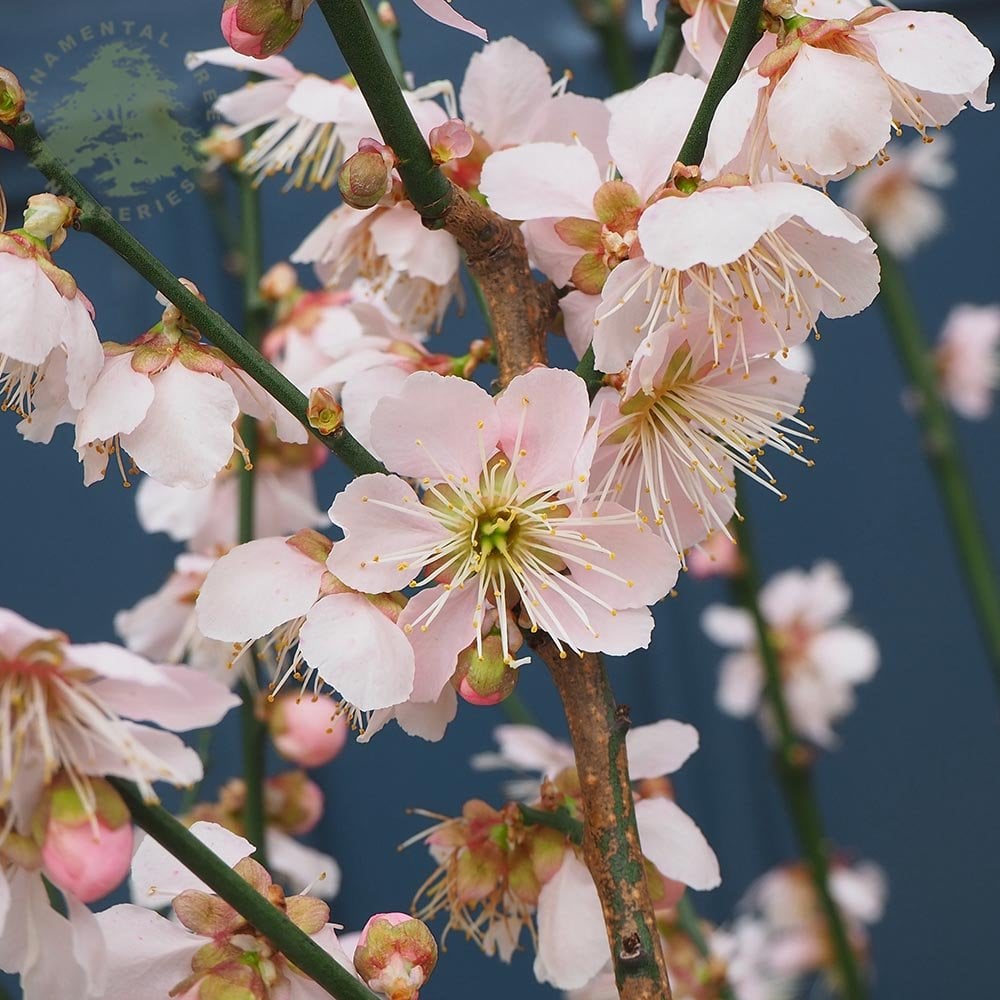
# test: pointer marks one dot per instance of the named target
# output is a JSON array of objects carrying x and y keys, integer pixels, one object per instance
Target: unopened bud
[
  {"x": 50, "y": 215},
  {"x": 86, "y": 848},
  {"x": 294, "y": 802},
  {"x": 487, "y": 678},
  {"x": 279, "y": 281},
  {"x": 261, "y": 28},
  {"x": 450, "y": 141},
  {"x": 396, "y": 955},
  {"x": 11, "y": 97},
  {"x": 307, "y": 731},
  {"x": 366, "y": 177},
  {"x": 386, "y": 15},
  {"x": 325, "y": 414}
]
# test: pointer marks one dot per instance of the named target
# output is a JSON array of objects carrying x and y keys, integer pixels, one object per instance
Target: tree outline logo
[{"x": 122, "y": 121}]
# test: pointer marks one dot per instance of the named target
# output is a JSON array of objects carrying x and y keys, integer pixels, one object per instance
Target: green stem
[
  {"x": 943, "y": 455},
  {"x": 388, "y": 38},
  {"x": 98, "y": 221},
  {"x": 743, "y": 36},
  {"x": 606, "y": 18},
  {"x": 795, "y": 775},
  {"x": 559, "y": 820},
  {"x": 255, "y": 319},
  {"x": 671, "y": 43},
  {"x": 426, "y": 186},
  {"x": 296, "y": 946}
]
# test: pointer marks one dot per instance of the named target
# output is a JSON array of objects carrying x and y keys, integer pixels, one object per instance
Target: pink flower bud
[
  {"x": 485, "y": 679},
  {"x": 366, "y": 177},
  {"x": 307, "y": 731},
  {"x": 11, "y": 97},
  {"x": 261, "y": 28},
  {"x": 450, "y": 141},
  {"x": 294, "y": 802},
  {"x": 84, "y": 852},
  {"x": 396, "y": 955}
]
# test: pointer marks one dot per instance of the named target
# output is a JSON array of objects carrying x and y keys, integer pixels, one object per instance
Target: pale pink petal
[
  {"x": 254, "y": 103},
  {"x": 827, "y": 596},
  {"x": 505, "y": 87},
  {"x": 660, "y": 748},
  {"x": 785, "y": 597},
  {"x": 175, "y": 510},
  {"x": 572, "y": 942},
  {"x": 301, "y": 867},
  {"x": 541, "y": 180},
  {"x": 235, "y": 606},
  {"x": 363, "y": 393},
  {"x": 118, "y": 402},
  {"x": 186, "y": 437},
  {"x": 572, "y": 119},
  {"x": 148, "y": 954},
  {"x": 33, "y": 310},
  {"x": 436, "y": 646},
  {"x": 358, "y": 651},
  {"x": 845, "y": 654},
  {"x": 532, "y": 749},
  {"x": 441, "y": 10},
  {"x": 648, "y": 128},
  {"x": 649, "y": 12},
  {"x": 549, "y": 254},
  {"x": 675, "y": 844},
  {"x": 186, "y": 699},
  {"x": 732, "y": 120},
  {"x": 714, "y": 226},
  {"x": 543, "y": 417},
  {"x": 402, "y": 238},
  {"x": 84, "y": 354},
  {"x": 436, "y": 427},
  {"x": 381, "y": 515},
  {"x": 273, "y": 66},
  {"x": 930, "y": 51},
  {"x": 319, "y": 100},
  {"x": 860, "y": 891},
  {"x": 850, "y": 113},
  {"x": 586, "y": 625},
  {"x": 157, "y": 876},
  {"x": 741, "y": 681},
  {"x": 425, "y": 720},
  {"x": 578, "y": 310},
  {"x": 730, "y": 627}
]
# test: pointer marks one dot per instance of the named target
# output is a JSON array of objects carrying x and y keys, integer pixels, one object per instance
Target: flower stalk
[
  {"x": 942, "y": 452},
  {"x": 266, "y": 918},
  {"x": 97, "y": 221},
  {"x": 606, "y": 19},
  {"x": 255, "y": 319},
  {"x": 611, "y": 848},
  {"x": 793, "y": 766},
  {"x": 671, "y": 43}
]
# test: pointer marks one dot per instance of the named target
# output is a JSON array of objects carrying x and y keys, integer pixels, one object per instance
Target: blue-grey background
[{"x": 915, "y": 784}]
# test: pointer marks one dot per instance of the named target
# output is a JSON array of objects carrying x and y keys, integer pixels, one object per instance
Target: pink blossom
[
  {"x": 207, "y": 518},
  {"x": 968, "y": 359},
  {"x": 307, "y": 731},
  {"x": 764, "y": 261},
  {"x": 718, "y": 555},
  {"x": 163, "y": 628},
  {"x": 785, "y": 901},
  {"x": 498, "y": 524},
  {"x": 149, "y": 955},
  {"x": 50, "y": 354},
  {"x": 69, "y": 709},
  {"x": 308, "y": 121},
  {"x": 339, "y": 637},
  {"x": 859, "y": 78},
  {"x": 822, "y": 659},
  {"x": 896, "y": 198},
  {"x": 669, "y": 439}
]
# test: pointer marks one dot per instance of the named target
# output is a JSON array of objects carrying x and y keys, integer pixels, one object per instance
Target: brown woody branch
[{"x": 611, "y": 848}]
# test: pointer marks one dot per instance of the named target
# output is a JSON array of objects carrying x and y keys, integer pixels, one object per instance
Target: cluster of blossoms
[{"x": 688, "y": 278}]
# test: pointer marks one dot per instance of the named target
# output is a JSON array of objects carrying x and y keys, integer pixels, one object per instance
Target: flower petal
[
  {"x": 675, "y": 844},
  {"x": 234, "y": 607},
  {"x": 660, "y": 748},
  {"x": 358, "y": 651},
  {"x": 437, "y": 426},
  {"x": 441, "y": 10}
]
